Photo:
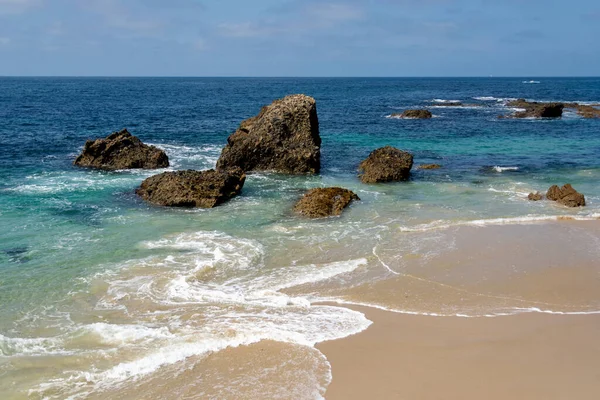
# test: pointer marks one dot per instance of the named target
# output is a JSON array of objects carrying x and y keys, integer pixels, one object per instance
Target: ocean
[{"x": 103, "y": 295}]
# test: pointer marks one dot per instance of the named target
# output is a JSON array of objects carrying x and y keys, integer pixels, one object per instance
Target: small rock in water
[
  {"x": 204, "y": 189},
  {"x": 429, "y": 166},
  {"x": 324, "y": 202},
  {"x": 16, "y": 254},
  {"x": 535, "y": 196},
  {"x": 566, "y": 195},
  {"x": 121, "y": 150},
  {"x": 413, "y": 114},
  {"x": 386, "y": 164}
]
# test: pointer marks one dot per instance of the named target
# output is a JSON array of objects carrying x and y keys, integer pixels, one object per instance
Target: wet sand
[{"x": 526, "y": 356}]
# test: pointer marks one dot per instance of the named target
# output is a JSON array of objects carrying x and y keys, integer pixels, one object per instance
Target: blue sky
[{"x": 300, "y": 37}]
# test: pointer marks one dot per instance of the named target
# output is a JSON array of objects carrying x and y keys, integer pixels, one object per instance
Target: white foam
[
  {"x": 30, "y": 346},
  {"x": 531, "y": 82},
  {"x": 528, "y": 219},
  {"x": 221, "y": 279},
  {"x": 489, "y": 98},
  {"x": 498, "y": 168},
  {"x": 445, "y": 101}
]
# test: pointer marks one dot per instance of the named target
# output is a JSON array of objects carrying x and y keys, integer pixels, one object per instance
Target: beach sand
[{"x": 526, "y": 356}]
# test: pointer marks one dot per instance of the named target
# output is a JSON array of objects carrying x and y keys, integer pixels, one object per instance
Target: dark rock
[
  {"x": 566, "y": 196},
  {"x": 413, "y": 114},
  {"x": 324, "y": 202},
  {"x": 121, "y": 150},
  {"x": 205, "y": 189},
  {"x": 536, "y": 110},
  {"x": 283, "y": 137},
  {"x": 535, "y": 196},
  {"x": 429, "y": 166},
  {"x": 385, "y": 165}
]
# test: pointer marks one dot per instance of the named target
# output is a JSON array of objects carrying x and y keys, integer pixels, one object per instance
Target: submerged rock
[
  {"x": 205, "y": 189},
  {"x": 121, "y": 150},
  {"x": 566, "y": 195},
  {"x": 283, "y": 137},
  {"x": 429, "y": 166},
  {"x": 413, "y": 114},
  {"x": 535, "y": 196},
  {"x": 386, "y": 164},
  {"x": 324, "y": 202},
  {"x": 536, "y": 110}
]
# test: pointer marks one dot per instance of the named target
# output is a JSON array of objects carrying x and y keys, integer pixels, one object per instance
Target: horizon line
[{"x": 301, "y": 77}]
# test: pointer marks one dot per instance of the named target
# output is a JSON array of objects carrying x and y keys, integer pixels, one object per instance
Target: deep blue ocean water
[{"x": 60, "y": 226}]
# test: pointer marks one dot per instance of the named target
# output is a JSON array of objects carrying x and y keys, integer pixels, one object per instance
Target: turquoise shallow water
[{"x": 92, "y": 276}]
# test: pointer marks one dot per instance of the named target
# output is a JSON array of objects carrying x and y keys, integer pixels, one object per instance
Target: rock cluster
[
  {"x": 324, "y": 202},
  {"x": 413, "y": 114},
  {"x": 566, "y": 196},
  {"x": 386, "y": 164},
  {"x": 283, "y": 137},
  {"x": 205, "y": 189},
  {"x": 121, "y": 150},
  {"x": 536, "y": 110}
]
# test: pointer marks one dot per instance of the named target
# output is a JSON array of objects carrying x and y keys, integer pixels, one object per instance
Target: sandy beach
[{"x": 527, "y": 356}]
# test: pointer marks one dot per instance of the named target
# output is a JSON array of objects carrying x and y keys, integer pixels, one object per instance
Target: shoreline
[{"x": 523, "y": 356}]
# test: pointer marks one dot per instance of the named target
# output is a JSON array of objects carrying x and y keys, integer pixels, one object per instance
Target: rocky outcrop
[
  {"x": 585, "y": 110},
  {"x": 121, "y": 150},
  {"x": 324, "y": 202},
  {"x": 205, "y": 189},
  {"x": 413, "y": 114},
  {"x": 535, "y": 196},
  {"x": 386, "y": 164},
  {"x": 283, "y": 137},
  {"x": 566, "y": 196},
  {"x": 429, "y": 166},
  {"x": 536, "y": 110}
]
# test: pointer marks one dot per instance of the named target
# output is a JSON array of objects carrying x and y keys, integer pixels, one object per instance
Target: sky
[{"x": 299, "y": 38}]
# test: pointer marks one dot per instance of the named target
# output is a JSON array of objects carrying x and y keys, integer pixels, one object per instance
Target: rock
[
  {"x": 585, "y": 110},
  {"x": 413, "y": 114},
  {"x": 385, "y": 165},
  {"x": 429, "y": 166},
  {"x": 588, "y": 111},
  {"x": 205, "y": 189},
  {"x": 283, "y": 137},
  {"x": 536, "y": 110},
  {"x": 566, "y": 196},
  {"x": 121, "y": 150},
  {"x": 324, "y": 202},
  {"x": 535, "y": 196}
]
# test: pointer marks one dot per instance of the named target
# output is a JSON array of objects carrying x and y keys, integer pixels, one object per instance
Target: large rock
[
  {"x": 536, "y": 110},
  {"x": 566, "y": 196},
  {"x": 413, "y": 114},
  {"x": 386, "y": 164},
  {"x": 205, "y": 189},
  {"x": 284, "y": 138},
  {"x": 324, "y": 202},
  {"x": 121, "y": 150}
]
